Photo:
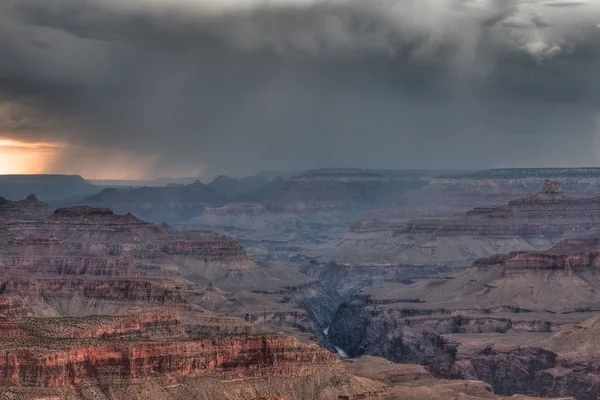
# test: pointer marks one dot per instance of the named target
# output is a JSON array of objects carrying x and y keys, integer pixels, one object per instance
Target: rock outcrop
[
  {"x": 68, "y": 357},
  {"x": 583, "y": 181},
  {"x": 147, "y": 355},
  {"x": 531, "y": 223},
  {"x": 28, "y": 209},
  {"x": 286, "y": 216},
  {"x": 563, "y": 363},
  {"x": 101, "y": 233},
  {"x": 511, "y": 320},
  {"x": 52, "y": 363},
  {"x": 414, "y": 382},
  {"x": 83, "y": 261}
]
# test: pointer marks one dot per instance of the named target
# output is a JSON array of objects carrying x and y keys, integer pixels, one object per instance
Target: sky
[{"x": 139, "y": 89}]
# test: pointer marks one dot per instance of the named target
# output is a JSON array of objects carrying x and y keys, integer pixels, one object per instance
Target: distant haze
[{"x": 137, "y": 89}]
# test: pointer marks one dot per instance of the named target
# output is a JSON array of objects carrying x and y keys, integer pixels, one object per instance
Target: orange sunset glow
[{"x": 18, "y": 157}]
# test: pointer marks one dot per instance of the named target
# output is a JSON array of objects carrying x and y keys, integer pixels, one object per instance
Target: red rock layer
[
  {"x": 566, "y": 255},
  {"x": 57, "y": 364},
  {"x": 150, "y": 291},
  {"x": 145, "y": 324}
]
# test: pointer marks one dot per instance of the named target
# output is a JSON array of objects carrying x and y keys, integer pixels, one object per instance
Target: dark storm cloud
[{"x": 389, "y": 83}]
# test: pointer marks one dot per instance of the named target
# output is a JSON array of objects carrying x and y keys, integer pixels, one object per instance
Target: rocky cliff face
[
  {"x": 311, "y": 208},
  {"x": 548, "y": 213},
  {"x": 239, "y": 358},
  {"x": 511, "y": 320},
  {"x": 68, "y": 352},
  {"x": 410, "y": 381},
  {"x": 559, "y": 364},
  {"x": 583, "y": 181},
  {"x": 150, "y": 354},
  {"x": 188, "y": 313},
  {"x": 568, "y": 256},
  {"x": 123, "y": 239},
  {"x": 83, "y": 261},
  {"x": 147, "y": 355},
  {"x": 534, "y": 222}
]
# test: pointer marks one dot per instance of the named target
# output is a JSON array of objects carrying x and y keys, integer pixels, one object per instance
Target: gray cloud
[{"x": 172, "y": 86}]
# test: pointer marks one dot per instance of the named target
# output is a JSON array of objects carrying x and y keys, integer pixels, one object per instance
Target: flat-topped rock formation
[
  {"x": 449, "y": 193},
  {"x": 47, "y": 187},
  {"x": 534, "y": 222},
  {"x": 564, "y": 279},
  {"x": 569, "y": 256}
]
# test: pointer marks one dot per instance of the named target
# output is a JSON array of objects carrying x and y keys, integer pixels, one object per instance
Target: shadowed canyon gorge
[{"x": 331, "y": 284}]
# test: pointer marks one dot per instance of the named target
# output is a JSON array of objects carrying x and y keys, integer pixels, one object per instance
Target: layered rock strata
[
  {"x": 84, "y": 261},
  {"x": 76, "y": 352},
  {"x": 559, "y": 364},
  {"x": 529, "y": 303},
  {"x": 532, "y": 223},
  {"x": 413, "y": 382},
  {"x": 73, "y": 239}
]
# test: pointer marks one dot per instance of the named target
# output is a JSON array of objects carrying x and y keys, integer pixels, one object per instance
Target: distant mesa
[
  {"x": 77, "y": 211},
  {"x": 47, "y": 187},
  {"x": 157, "y": 204},
  {"x": 86, "y": 214},
  {"x": 550, "y": 191}
]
